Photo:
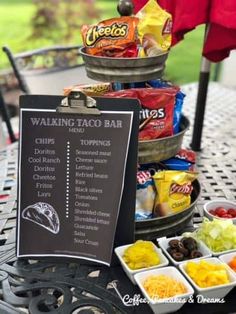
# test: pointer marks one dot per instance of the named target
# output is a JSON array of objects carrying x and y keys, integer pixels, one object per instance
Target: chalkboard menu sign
[{"x": 76, "y": 191}]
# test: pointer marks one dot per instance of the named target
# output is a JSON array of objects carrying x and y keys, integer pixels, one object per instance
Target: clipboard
[{"x": 76, "y": 107}]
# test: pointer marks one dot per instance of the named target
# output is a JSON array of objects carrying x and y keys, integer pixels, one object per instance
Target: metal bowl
[
  {"x": 150, "y": 229},
  {"x": 123, "y": 70},
  {"x": 163, "y": 148}
]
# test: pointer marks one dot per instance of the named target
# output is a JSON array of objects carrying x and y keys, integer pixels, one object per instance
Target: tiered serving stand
[
  {"x": 129, "y": 70},
  {"x": 126, "y": 71}
]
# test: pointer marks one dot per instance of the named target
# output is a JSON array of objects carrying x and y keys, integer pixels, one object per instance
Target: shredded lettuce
[{"x": 218, "y": 235}]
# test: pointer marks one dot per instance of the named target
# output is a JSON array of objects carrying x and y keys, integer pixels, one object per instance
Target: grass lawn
[
  {"x": 15, "y": 29},
  {"x": 182, "y": 66}
]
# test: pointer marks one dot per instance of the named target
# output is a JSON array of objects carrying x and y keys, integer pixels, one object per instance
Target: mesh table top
[
  {"x": 21, "y": 281},
  {"x": 216, "y": 162}
]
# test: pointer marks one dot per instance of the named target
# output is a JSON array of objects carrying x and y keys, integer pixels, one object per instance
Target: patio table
[{"x": 55, "y": 286}]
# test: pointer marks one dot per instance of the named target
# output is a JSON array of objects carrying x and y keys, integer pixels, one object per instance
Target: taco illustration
[{"x": 44, "y": 215}]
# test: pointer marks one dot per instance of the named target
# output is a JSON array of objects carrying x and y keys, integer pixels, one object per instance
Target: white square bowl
[
  {"x": 130, "y": 272},
  {"x": 215, "y": 292},
  {"x": 163, "y": 243},
  {"x": 226, "y": 258},
  {"x": 168, "y": 305},
  {"x": 218, "y": 203},
  {"x": 217, "y": 254}
]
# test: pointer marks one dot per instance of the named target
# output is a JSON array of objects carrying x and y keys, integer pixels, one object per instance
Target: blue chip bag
[
  {"x": 138, "y": 85},
  {"x": 158, "y": 84},
  {"x": 178, "y": 164},
  {"x": 179, "y": 100},
  {"x": 119, "y": 86},
  {"x": 145, "y": 196}
]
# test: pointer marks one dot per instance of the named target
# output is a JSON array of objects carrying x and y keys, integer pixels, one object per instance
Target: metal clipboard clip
[{"x": 78, "y": 103}]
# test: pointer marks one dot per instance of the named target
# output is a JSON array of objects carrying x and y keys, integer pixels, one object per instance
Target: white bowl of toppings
[
  {"x": 219, "y": 235},
  {"x": 179, "y": 249},
  {"x": 140, "y": 256},
  {"x": 220, "y": 209},
  {"x": 210, "y": 277},
  {"x": 165, "y": 289},
  {"x": 229, "y": 259}
]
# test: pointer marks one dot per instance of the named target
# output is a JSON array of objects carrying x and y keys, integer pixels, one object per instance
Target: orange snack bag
[{"x": 110, "y": 37}]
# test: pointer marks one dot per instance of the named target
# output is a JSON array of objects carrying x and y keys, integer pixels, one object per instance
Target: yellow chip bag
[
  {"x": 154, "y": 29},
  {"x": 91, "y": 90},
  {"x": 173, "y": 191}
]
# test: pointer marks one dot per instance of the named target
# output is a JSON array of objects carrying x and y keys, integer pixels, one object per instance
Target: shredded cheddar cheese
[{"x": 162, "y": 287}]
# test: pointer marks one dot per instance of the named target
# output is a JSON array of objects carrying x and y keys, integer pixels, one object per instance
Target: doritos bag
[
  {"x": 157, "y": 104},
  {"x": 179, "y": 100}
]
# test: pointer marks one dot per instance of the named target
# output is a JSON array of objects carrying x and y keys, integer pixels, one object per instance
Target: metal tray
[
  {"x": 124, "y": 70},
  {"x": 150, "y": 229},
  {"x": 163, "y": 148}
]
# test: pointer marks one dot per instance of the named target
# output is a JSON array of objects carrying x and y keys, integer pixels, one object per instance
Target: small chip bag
[
  {"x": 184, "y": 160},
  {"x": 173, "y": 191},
  {"x": 154, "y": 29},
  {"x": 91, "y": 90},
  {"x": 145, "y": 195},
  {"x": 116, "y": 37},
  {"x": 187, "y": 155},
  {"x": 175, "y": 163}
]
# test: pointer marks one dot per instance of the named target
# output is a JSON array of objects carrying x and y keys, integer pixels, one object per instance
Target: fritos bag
[
  {"x": 115, "y": 37},
  {"x": 173, "y": 191},
  {"x": 154, "y": 29}
]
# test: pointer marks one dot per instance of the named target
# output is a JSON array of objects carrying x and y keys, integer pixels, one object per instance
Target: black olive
[
  {"x": 178, "y": 256},
  {"x": 183, "y": 240},
  {"x": 170, "y": 250},
  {"x": 173, "y": 243},
  {"x": 184, "y": 251},
  {"x": 190, "y": 244},
  {"x": 195, "y": 254},
  {"x": 193, "y": 240}
]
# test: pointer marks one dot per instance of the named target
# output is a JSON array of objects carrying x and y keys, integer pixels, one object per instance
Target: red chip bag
[
  {"x": 186, "y": 154},
  {"x": 158, "y": 103}
]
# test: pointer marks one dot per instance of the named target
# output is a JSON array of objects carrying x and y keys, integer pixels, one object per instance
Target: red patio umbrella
[{"x": 220, "y": 38}]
